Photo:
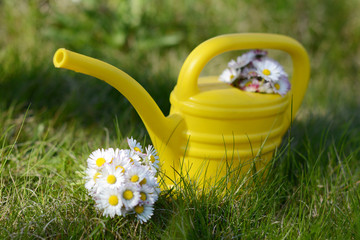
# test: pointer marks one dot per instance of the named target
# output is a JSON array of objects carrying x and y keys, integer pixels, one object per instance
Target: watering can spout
[{"x": 159, "y": 126}]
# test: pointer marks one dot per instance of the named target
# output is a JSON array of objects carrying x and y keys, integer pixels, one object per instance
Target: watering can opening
[
  {"x": 58, "y": 58},
  {"x": 216, "y": 93}
]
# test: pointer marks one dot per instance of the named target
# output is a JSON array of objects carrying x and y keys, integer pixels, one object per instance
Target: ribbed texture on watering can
[
  {"x": 219, "y": 100},
  {"x": 231, "y": 138},
  {"x": 218, "y": 151}
]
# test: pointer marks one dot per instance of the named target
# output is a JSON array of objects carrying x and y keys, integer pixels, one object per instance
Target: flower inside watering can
[{"x": 254, "y": 71}]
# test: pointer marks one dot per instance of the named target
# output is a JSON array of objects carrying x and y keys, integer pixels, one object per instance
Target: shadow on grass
[{"x": 70, "y": 96}]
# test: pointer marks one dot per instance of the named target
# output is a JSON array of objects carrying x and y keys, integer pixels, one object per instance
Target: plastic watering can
[{"x": 212, "y": 127}]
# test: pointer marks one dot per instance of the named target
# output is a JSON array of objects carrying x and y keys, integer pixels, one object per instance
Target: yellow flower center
[
  {"x": 143, "y": 181},
  {"x": 232, "y": 76},
  {"x": 128, "y": 194},
  {"x": 266, "y": 72},
  {"x": 111, "y": 179},
  {"x": 137, "y": 149},
  {"x": 121, "y": 167},
  {"x": 152, "y": 159},
  {"x": 96, "y": 176},
  {"x": 134, "y": 178},
  {"x": 113, "y": 200},
  {"x": 143, "y": 196},
  {"x": 100, "y": 162},
  {"x": 277, "y": 86},
  {"x": 139, "y": 209}
]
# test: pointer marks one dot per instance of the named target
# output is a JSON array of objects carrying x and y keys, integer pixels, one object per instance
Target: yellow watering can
[{"x": 211, "y": 125}]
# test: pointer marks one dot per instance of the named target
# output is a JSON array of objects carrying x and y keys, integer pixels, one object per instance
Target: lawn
[{"x": 52, "y": 119}]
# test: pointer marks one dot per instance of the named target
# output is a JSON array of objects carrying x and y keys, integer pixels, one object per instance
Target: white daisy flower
[
  {"x": 143, "y": 212},
  {"x": 135, "y": 174},
  {"x": 149, "y": 179},
  {"x": 98, "y": 158},
  {"x": 130, "y": 195},
  {"x": 249, "y": 72},
  {"x": 229, "y": 75},
  {"x": 109, "y": 201},
  {"x": 123, "y": 181},
  {"x": 266, "y": 87},
  {"x": 242, "y": 60},
  {"x": 282, "y": 86},
  {"x": 250, "y": 85},
  {"x": 152, "y": 159},
  {"x": 134, "y": 157},
  {"x": 135, "y": 146},
  {"x": 91, "y": 177},
  {"x": 269, "y": 69},
  {"x": 122, "y": 160},
  {"x": 111, "y": 177},
  {"x": 112, "y": 153},
  {"x": 148, "y": 195}
]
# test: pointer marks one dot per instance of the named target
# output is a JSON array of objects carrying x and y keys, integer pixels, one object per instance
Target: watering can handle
[{"x": 187, "y": 83}]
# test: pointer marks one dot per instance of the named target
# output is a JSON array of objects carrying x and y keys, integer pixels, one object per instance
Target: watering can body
[
  {"x": 236, "y": 129},
  {"x": 212, "y": 127}
]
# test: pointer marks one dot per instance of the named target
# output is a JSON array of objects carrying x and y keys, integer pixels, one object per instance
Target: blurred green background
[
  {"x": 51, "y": 119},
  {"x": 151, "y": 39}
]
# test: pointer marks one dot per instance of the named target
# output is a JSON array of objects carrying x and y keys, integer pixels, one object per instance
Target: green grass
[{"x": 51, "y": 119}]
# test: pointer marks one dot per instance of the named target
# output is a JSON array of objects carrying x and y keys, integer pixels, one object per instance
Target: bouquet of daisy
[
  {"x": 123, "y": 181},
  {"x": 254, "y": 71}
]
